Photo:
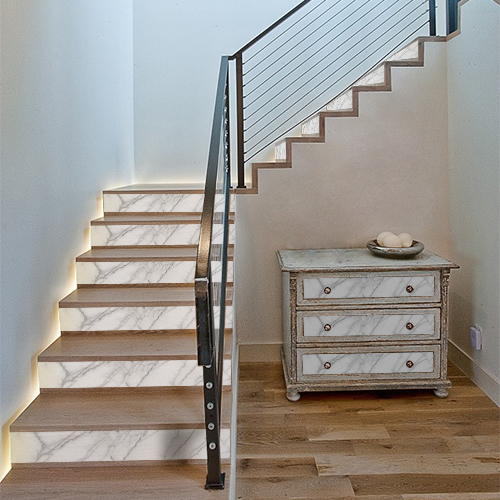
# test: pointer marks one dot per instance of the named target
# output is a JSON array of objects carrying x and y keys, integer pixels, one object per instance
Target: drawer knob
[
  {"x": 327, "y": 365},
  {"x": 327, "y": 290},
  {"x": 409, "y": 289},
  {"x": 409, "y": 364},
  {"x": 327, "y": 327},
  {"x": 409, "y": 326}
]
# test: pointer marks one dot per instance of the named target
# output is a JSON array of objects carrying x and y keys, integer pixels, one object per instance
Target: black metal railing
[
  {"x": 451, "y": 16},
  {"x": 291, "y": 70},
  {"x": 283, "y": 77},
  {"x": 211, "y": 276}
]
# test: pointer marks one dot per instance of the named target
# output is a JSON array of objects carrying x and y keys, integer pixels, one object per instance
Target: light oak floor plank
[{"x": 389, "y": 445}]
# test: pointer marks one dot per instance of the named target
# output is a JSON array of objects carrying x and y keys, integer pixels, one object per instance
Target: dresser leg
[
  {"x": 441, "y": 392},
  {"x": 292, "y": 395}
]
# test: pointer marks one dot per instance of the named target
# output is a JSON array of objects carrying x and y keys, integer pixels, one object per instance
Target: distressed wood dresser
[{"x": 355, "y": 321}]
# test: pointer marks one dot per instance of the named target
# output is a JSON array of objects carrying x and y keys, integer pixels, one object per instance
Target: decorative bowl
[{"x": 395, "y": 253}]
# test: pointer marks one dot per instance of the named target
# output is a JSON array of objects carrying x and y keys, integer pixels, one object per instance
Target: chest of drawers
[{"x": 355, "y": 321}]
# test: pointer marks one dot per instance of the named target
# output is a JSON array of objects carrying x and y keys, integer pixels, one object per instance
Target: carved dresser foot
[
  {"x": 441, "y": 392},
  {"x": 292, "y": 395}
]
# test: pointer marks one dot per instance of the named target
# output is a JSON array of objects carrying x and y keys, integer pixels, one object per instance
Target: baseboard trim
[
  {"x": 485, "y": 380},
  {"x": 264, "y": 353}
]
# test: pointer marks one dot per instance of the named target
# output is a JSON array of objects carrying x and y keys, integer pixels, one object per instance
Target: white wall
[
  {"x": 67, "y": 134},
  {"x": 474, "y": 148},
  {"x": 385, "y": 170},
  {"x": 177, "y": 51}
]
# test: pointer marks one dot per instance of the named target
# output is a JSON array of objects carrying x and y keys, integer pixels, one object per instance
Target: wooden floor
[
  {"x": 385, "y": 445},
  {"x": 406, "y": 445}
]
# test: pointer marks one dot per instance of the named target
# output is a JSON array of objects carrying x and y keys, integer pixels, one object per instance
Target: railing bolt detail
[
  {"x": 210, "y": 406},
  {"x": 212, "y": 446},
  {"x": 211, "y": 426},
  {"x": 209, "y": 385}
]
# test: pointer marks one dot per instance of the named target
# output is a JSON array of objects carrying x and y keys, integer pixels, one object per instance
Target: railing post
[
  {"x": 432, "y": 17},
  {"x": 451, "y": 16},
  {"x": 212, "y": 394},
  {"x": 239, "y": 120},
  {"x": 227, "y": 127}
]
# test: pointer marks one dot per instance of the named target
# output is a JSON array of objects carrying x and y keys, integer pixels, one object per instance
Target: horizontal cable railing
[
  {"x": 211, "y": 276},
  {"x": 287, "y": 74}
]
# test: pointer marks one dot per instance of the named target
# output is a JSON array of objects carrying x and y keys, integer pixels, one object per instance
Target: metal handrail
[
  {"x": 210, "y": 347},
  {"x": 273, "y": 26}
]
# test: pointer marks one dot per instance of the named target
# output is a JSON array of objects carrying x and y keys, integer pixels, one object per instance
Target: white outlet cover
[{"x": 476, "y": 337}]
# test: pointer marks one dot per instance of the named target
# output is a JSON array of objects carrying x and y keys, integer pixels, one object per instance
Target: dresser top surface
[{"x": 355, "y": 259}]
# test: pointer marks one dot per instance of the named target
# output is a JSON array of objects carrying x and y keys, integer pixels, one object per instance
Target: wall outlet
[{"x": 476, "y": 337}]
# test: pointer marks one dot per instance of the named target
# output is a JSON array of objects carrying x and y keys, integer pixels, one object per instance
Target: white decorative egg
[
  {"x": 381, "y": 236},
  {"x": 406, "y": 239},
  {"x": 393, "y": 241}
]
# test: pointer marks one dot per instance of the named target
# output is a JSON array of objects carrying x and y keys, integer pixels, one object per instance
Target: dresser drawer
[
  {"x": 368, "y": 363},
  {"x": 368, "y": 325},
  {"x": 368, "y": 288}
]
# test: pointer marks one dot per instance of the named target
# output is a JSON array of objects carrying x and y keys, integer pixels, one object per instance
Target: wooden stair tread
[
  {"x": 112, "y": 409},
  {"x": 111, "y": 482},
  {"x": 136, "y": 254},
  {"x": 168, "y": 218},
  {"x": 159, "y": 188},
  {"x": 132, "y": 297},
  {"x": 178, "y": 345}
]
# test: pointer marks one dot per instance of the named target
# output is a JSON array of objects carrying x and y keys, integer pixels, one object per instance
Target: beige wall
[
  {"x": 386, "y": 170},
  {"x": 474, "y": 143}
]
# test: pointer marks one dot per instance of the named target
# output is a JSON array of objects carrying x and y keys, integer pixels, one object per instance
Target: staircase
[
  {"x": 346, "y": 105},
  {"x": 122, "y": 384}
]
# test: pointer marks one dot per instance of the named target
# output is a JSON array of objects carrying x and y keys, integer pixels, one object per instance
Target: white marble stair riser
[
  {"x": 408, "y": 53},
  {"x": 132, "y": 318},
  {"x": 159, "y": 202},
  {"x": 368, "y": 363},
  {"x": 375, "y": 77},
  {"x": 375, "y": 325},
  {"x": 128, "y": 273},
  {"x": 341, "y": 103},
  {"x": 154, "y": 234},
  {"x": 369, "y": 287},
  {"x": 311, "y": 127},
  {"x": 150, "y": 373},
  {"x": 112, "y": 446},
  {"x": 280, "y": 151}
]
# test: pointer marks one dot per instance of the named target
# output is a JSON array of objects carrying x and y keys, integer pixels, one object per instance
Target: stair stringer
[{"x": 287, "y": 162}]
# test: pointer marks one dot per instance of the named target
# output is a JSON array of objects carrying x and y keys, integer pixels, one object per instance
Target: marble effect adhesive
[
  {"x": 341, "y": 103},
  {"x": 154, "y": 234},
  {"x": 368, "y": 363},
  {"x": 155, "y": 202},
  {"x": 110, "y": 446},
  {"x": 132, "y": 318},
  {"x": 375, "y": 287},
  {"x": 375, "y": 77},
  {"x": 128, "y": 273},
  {"x": 158, "y": 202},
  {"x": 151, "y": 373},
  {"x": 369, "y": 325}
]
